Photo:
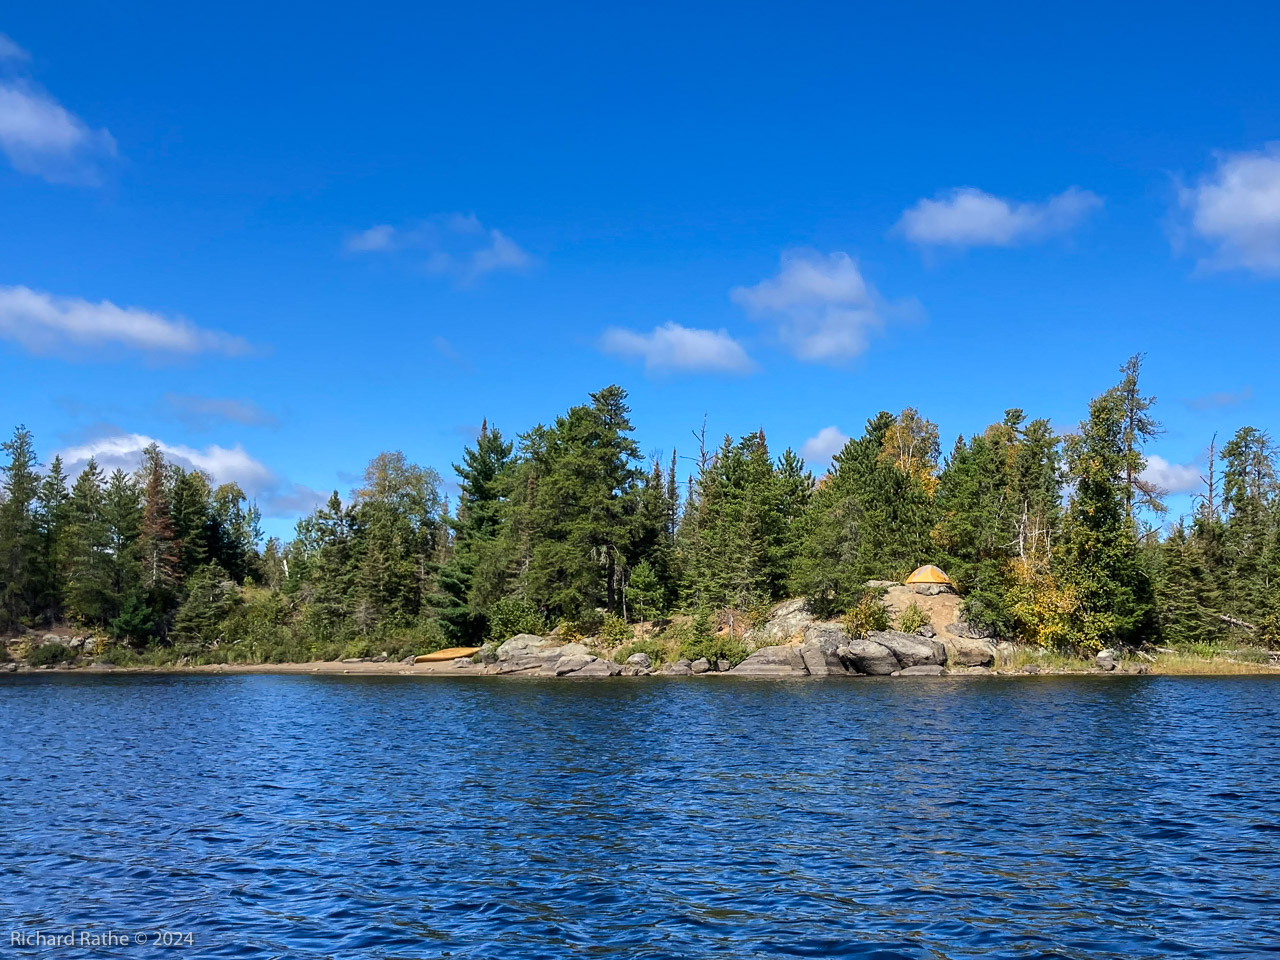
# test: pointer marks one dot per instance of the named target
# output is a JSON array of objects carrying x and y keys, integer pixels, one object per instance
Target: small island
[{"x": 1024, "y": 550}]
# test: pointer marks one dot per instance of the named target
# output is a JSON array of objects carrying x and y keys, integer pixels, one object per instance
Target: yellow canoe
[{"x": 452, "y": 653}]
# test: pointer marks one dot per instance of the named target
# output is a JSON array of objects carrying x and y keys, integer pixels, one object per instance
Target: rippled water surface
[{"x": 300, "y": 816}]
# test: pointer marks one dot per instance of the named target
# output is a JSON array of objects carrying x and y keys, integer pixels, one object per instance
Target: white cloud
[
  {"x": 1173, "y": 477},
  {"x": 276, "y": 496},
  {"x": 9, "y": 50},
  {"x": 673, "y": 347},
  {"x": 1236, "y": 208},
  {"x": 822, "y": 446},
  {"x": 380, "y": 237},
  {"x": 46, "y": 324},
  {"x": 457, "y": 246},
  {"x": 825, "y": 309},
  {"x": 966, "y": 217},
  {"x": 40, "y": 136}
]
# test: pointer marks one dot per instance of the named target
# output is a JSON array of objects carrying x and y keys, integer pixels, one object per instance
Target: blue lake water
[{"x": 300, "y": 817}]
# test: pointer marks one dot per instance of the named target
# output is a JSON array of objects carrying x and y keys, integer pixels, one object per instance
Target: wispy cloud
[
  {"x": 1236, "y": 210},
  {"x": 823, "y": 445},
  {"x": 46, "y": 324},
  {"x": 672, "y": 347},
  {"x": 275, "y": 496},
  {"x": 203, "y": 413},
  {"x": 824, "y": 309},
  {"x": 457, "y": 246},
  {"x": 1221, "y": 400},
  {"x": 10, "y": 51},
  {"x": 967, "y": 217},
  {"x": 39, "y": 135},
  {"x": 1173, "y": 477}
]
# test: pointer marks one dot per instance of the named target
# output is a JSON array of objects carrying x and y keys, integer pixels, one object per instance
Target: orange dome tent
[{"x": 930, "y": 574}]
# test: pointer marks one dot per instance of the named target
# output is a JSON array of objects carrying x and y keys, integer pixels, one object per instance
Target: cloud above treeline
[
  {"x": 968, "y": 217},
  {"x": 38, "y": 134},
  {"x": 1172, "y": 477},
  {"x": 457, "y": 246},
  {"x": 1221, "y": 400},
  {"x": 45, "y": 324},
  {"x": 822, "y": 308},
  {"x": 1235, "y": 210},
  {"x": 822, "y": 446},
  {"x": 672, "y": 347},
  {"x": 276, "y": 496}
]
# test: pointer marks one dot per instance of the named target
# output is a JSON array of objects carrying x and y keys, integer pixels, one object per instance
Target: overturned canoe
[{"x": 451, "y": 653}]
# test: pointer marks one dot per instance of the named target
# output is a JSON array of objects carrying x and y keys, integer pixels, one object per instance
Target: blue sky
[{"x": 279, "y": 242}]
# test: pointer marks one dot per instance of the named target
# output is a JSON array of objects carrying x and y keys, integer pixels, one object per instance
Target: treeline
[{"x": 1051, "y": 539}]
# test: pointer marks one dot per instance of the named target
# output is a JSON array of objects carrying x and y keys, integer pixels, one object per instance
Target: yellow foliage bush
[{"x": 1042, "y": 606}]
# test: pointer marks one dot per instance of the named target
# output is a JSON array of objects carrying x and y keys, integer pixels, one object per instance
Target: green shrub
[
  {"x": 655, "y": 651},
  {"x": 866, "y": 615},
  {"x": 912, "y": 619},
  {"x": 715, "y": 647},
  {"x": 514, "y": 615},
  {"x": 615, "y": 630},
  {"x": 47, "y": 654}
]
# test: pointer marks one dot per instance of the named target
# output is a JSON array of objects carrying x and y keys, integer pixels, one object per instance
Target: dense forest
[{"x": 1052, "y": 540}]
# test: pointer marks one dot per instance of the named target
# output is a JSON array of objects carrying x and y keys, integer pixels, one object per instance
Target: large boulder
[
  {"x": 923, "y": 670},
  {"x": 640, "y": 660},
  {"x": 522, "y": 645},
  {"x": 599, "y": 668},
  {"x": 964, "y": 652},
  {"x": 681, "y": 668},
  {"x": 909, "y": 649},
  {"x": 869, "y": 657},
  {"x": 786, "y": 621},
  {"x": 525, "y": 651},
  {"x": 821, "y": 649},
  {"x": 778, "y": 661},
  {"x": 701, "y": 665},
  {"x": 572, "y": 663}
]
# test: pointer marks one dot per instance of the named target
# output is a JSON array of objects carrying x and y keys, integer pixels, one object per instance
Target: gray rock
[
  {"x": 488, "y": 653},
  {"x": 522, "y": 645},
  {"x": 639, "y": 660},
  {"x": 927, "y": 631},
  {"x": 631, "y": 670},
  {"x": 10, "y": 667},
  {"x": 701, "y": 665},
  {"x": 787, "y": 620},
  {"x": 910, "y": 650},
  {"x": 1005, "y": 651},
  {"x": 778, "y": 661},
  {"x": 681, "y": 668},
  {"x": 572, "y": 664},
  {"x": 962, "y": 628},
  {"x": 409, "y": 659},
  {"x": 930, "y": 589},
  {"x": 600, "y": 668},
  {"x": 969, "y": 671},
  {"x": 821, "y": 649},
  {"x": 352, "y": 660},
  {"x": 90, "y": 645},
  {"x": 1107, "y": 654},
  {"x": 380, "y": 658},
  {"x": 881, "y": 584},
  {"x": 723, "y": 666},
  {"x": 924, "y": 670},
  {"x": 969, "y": 653},
  {"x": 522, "y": 665},
  {"x": 867, "y": 656},
  {"x": 1031, "y": 668}
]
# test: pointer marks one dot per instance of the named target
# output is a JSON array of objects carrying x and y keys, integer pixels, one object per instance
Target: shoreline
[{"x": 449, "y": 668}]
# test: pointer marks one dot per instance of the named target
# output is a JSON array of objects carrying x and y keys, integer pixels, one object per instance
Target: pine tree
[
  {"x": 90, "y": 597},
  {"x": 475, "y": 527},
  {"x": 51, "y": 518},
  {"x": 1099, "y": 556},
  {"x": 19, "y": 531},
  {"x": 158, "y": 544}
]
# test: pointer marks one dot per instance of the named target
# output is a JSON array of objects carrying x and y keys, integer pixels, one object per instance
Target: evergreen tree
[
  {"x": 52, "y": 564},
  {"x": 475, "y": 527},
  {"x": 19, "y": 531},
  {"x": 90, "y": 594},
  {"x": 1099, "y": 556},
  {"x": 158, "y": 544}
]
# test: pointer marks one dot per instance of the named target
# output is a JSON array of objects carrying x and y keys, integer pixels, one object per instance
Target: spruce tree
[{"x": 20, "y": 572}]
